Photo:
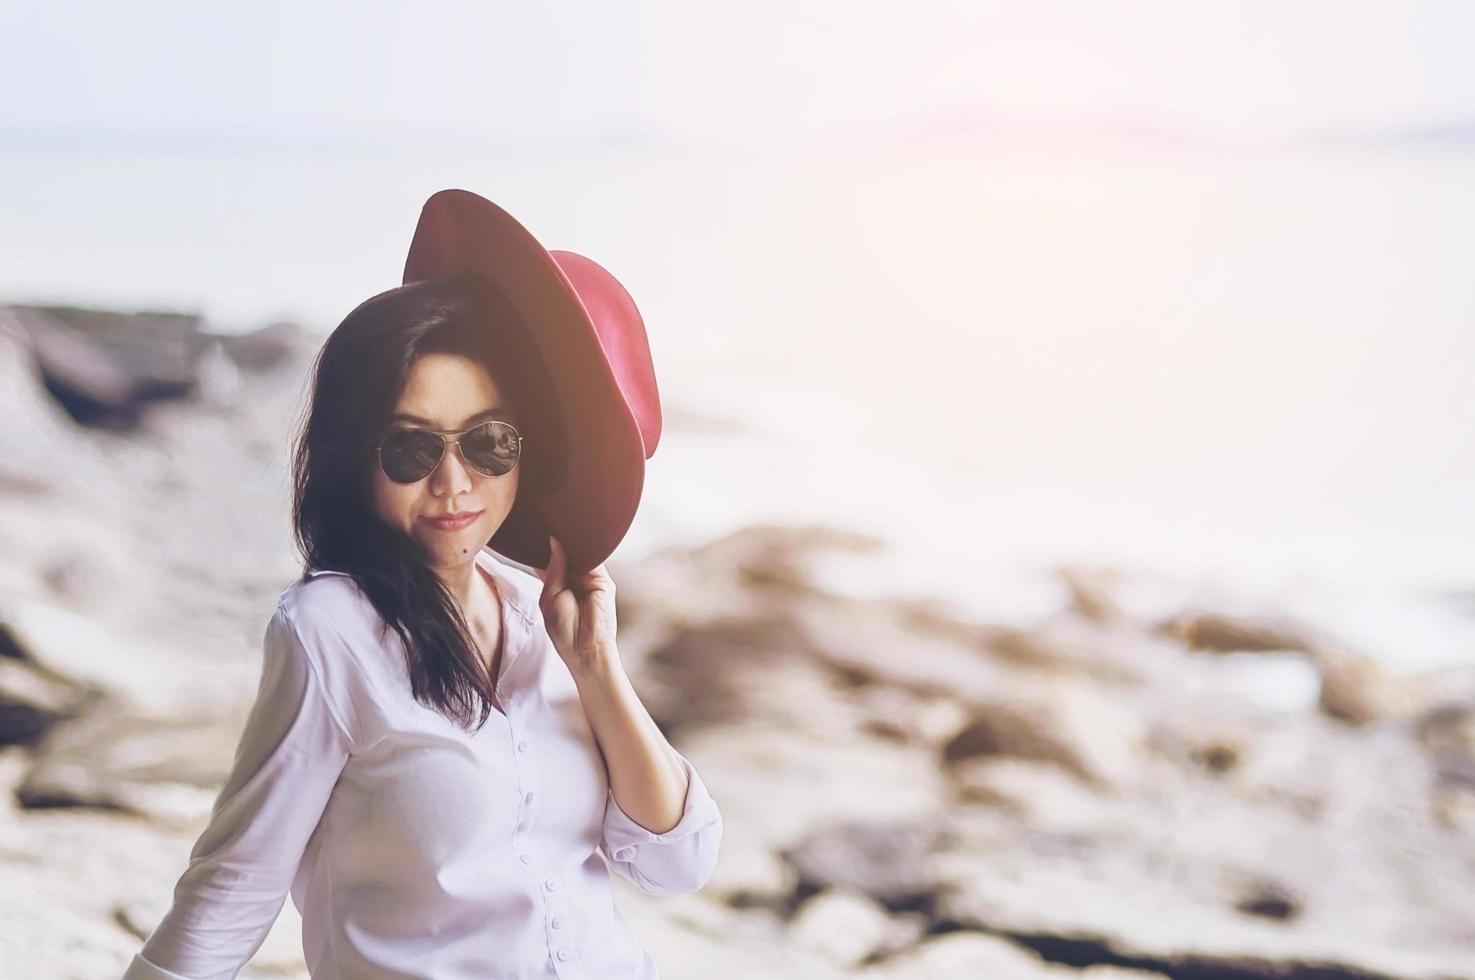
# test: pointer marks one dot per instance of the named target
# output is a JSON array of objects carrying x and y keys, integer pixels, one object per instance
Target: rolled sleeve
[
  {"x": 141, "y": 969},
  {"x": 679, "y": 861},
  {"x": 289, "y": 757}
]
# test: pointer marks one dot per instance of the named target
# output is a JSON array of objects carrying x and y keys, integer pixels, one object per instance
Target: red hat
[{"x": 592, "y": 340}]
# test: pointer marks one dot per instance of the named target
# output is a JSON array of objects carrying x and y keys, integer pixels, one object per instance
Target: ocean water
[{"x": 1240, "y": 365}]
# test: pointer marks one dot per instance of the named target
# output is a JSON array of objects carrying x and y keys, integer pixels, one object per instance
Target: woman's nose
[{"x": 450, "y": 475}]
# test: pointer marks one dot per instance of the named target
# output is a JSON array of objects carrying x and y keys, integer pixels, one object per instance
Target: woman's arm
[
  {"x": 651, "y": 784},
  {"x": 290, "y": 754},
  {"x": 662, "y": 828}
]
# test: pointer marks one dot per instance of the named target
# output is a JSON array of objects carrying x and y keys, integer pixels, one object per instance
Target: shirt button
[
  {"x": 527, "y": 797},
  {"x": 564, "y": 954},
  {"x": 558, "y": 922},
  {"x": 550, "y": 884},
  {"x": 522, "y": 746},
  {"x": 525, "y": 858}
]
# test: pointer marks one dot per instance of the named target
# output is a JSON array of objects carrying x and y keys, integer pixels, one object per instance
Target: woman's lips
[{"x": 453, "y": 523}]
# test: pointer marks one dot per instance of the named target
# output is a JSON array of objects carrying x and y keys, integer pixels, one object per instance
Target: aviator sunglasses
[{"x": 408, "y": 455}]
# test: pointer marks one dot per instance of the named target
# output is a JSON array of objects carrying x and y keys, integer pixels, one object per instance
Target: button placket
[
  {"x": 559, "y": 921},
  {"x": 524, "y": 774},
  {"x": 524, "y": 815},
  {"x": 560, "y": 936}
]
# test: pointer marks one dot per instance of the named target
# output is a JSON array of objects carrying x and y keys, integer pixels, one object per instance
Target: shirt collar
[{"x": 520, "y": 584}]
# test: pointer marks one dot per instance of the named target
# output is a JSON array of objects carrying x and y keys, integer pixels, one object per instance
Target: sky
[
  {"x": 1147, "y": 326},
  {"x": 761, "y": 70}
]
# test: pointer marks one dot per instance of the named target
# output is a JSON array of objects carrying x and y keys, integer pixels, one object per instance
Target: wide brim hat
[{"x": 597, "y": 360}]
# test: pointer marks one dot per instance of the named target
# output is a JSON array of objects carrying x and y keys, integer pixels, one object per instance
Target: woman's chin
[{"x": 452, "y": 547}]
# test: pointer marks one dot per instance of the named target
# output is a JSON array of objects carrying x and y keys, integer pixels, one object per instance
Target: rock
[
  {"x": 1220, "y": 632},
  {"x": 71, "y": 577},
  {"x": 219, "y": 383},
  {"x": 843, "y": 925},
  {"x": 922, "y": 720},
  {"x": 1454, "y": 807},
  {"x": 266, "y": 348},
  {"x": 750, "y": 875},
  {"x": 869, "y": 644},
  {"x": 1081, "y": 647},
  {"x": 113, "y": 759},
  {"x": 773, "y": 556},
  {"x": 103, "y": 367},
  {"x": 1222, "y": 885},
  {"x": 750, "y": 571},
  {"x": 1071, "y": 726},
  {"x": 34, "y": 696},
  {"x": 1355, "y": 688},
  {"x": 776, "y": 787},
  {"x": 752, "y": 574},
  {"x": 1266, "y": 897},
  {"x": 1043, "y": 796},
  {"x": 76, "y": 649},
  {"x": 37, "y": 431},
  {"x": 973, "y": 954},
  {"x": 904, "y": 931},
  {"x": 1359, "y": 690},
  {"x": 1092, "y": 593},
  {"x": 1447, "y": 684},
  {"x": 1447, "y": 734},
  {"x": 702, "y": 675},
  {"x": 1216, "y": 747},
  {"x": 891, "y": 861},
  {"x": 692, "y": 937}
]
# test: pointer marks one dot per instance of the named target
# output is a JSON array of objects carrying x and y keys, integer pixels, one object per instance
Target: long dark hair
[{"x": 354, "y": 384}]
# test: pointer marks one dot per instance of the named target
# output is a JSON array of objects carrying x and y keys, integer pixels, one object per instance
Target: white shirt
[{"x": 412, "y": 848}]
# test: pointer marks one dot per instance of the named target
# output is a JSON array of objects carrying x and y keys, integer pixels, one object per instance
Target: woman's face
[{"x": 447, "y": 392}]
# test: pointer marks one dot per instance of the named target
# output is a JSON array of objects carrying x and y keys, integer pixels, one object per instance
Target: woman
[{"x": 445, "y": 757}]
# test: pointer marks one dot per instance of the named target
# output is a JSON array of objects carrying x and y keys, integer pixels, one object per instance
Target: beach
[{"x": 1047, "y": 576}]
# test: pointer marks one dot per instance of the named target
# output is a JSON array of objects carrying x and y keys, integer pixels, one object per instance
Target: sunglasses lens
[
  {"x": 491, "y": 447},
  {"x": 410, "y": 454}
]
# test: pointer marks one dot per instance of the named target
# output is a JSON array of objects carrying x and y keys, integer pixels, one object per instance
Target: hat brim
[{"x": 603, "y": 466}]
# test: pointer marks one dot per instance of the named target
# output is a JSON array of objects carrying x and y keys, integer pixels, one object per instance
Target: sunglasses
[{"x": 492, "y": 448}]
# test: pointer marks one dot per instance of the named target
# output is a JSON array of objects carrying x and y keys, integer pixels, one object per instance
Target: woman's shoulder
[
  {"x": 331, "y": 613},
  {"x": 323, "y": 622},
  {"x": 325, "y": 598}
]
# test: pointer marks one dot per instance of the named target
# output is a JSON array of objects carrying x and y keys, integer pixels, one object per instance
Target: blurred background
[{"x": 1058, "y": 555}]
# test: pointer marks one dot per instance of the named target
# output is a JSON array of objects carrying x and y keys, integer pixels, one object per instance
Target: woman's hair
[{"x": 355, "y": 383}]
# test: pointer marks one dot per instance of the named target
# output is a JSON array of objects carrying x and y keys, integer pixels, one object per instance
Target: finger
[
  {"x": 553, "y": 580},
  {"x": 596, "y": 578}
]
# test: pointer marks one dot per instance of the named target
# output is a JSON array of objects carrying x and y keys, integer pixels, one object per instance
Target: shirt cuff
[
  {"x": 142, "y": 969},
  {"x": 622, "y": 834}
]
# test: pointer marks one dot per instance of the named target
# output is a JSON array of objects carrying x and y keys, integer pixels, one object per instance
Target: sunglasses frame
[{"x": 447, "y": 438}]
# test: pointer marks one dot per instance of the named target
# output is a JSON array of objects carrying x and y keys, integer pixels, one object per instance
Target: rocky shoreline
[{"x": 906, "y": 792}]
